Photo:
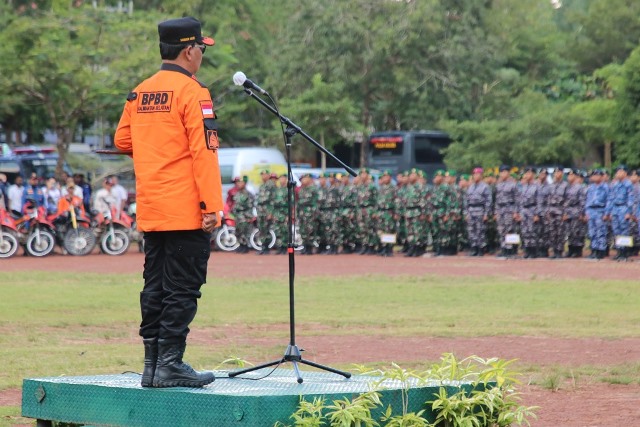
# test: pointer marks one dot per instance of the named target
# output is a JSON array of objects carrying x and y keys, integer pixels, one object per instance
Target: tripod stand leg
[
  {"x": 255, "y": 368},
  {"x": 297, "y": 371},
  {"x": 326, "y": 368}
]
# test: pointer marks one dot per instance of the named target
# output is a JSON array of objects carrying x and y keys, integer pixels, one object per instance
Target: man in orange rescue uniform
[{"x": 169, "y": 125}]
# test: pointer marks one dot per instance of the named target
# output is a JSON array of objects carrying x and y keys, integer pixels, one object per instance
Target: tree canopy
[{"x": 520, "y": 82}]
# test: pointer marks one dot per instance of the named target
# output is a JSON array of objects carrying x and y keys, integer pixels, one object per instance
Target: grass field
[{"x": 70, "y": 324}]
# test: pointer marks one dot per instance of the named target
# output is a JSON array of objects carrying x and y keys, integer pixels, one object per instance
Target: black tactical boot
[
  {"x": 150, "y": 359},
  {"x": 474, "y": 251},
  {"x": 411, "y": 252},
  {"x": 389, "y": 250},
  {"x": 171, "y": 371},
  {"x": 578, "y": 251},
  {"x": 527, "y": 253}
]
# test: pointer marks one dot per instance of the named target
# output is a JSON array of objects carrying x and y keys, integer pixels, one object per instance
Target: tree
[
  {"x": 72, "y": 63},
  {"x": 322, "y": 112}
]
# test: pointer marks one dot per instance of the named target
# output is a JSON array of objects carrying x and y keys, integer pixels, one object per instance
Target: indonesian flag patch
[{"x": 207, "y": 109}]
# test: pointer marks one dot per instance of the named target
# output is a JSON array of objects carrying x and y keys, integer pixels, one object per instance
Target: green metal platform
[{"x": 118, "y": 400}]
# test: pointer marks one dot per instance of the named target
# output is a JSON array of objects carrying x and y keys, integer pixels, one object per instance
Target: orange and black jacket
[{"x": 169, "y": 124}]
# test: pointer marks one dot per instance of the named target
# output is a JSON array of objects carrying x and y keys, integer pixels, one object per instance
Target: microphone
[{"x": 240, "y": 79}]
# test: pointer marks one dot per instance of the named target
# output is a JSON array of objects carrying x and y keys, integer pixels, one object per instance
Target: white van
[{"x": 249, "y": 161}]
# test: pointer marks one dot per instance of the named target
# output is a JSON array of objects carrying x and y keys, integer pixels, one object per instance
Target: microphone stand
[{"x": 292, "y": 354}]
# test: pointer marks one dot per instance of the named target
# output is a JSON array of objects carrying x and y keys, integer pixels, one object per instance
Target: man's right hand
[{"x": 209, "y": 221}]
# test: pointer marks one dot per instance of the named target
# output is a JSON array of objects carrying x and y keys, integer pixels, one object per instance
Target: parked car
[
  {"x": 26, "y": 160},
  {"x": 248, "y": 161}
]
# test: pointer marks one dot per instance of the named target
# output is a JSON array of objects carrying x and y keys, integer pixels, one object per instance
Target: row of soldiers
[{"x": 481, "y": 212}]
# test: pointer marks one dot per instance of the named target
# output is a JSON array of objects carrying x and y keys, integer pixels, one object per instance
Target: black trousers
[{"x": 175, "y": 267}]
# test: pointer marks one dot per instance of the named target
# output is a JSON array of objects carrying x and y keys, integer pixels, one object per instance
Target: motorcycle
[
  {"x": 114, "y": 231},
  {"x": 74, "y": 231},
  {"x": 8, "y": 235},
  {"x": 136, "y": 236},
  {"x": 35, "y": 231},
  {"x": 257, "y": 240},
  {"x": 225, "y": 236}
]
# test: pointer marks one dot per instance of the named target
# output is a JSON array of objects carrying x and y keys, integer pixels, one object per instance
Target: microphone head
[{"x": 239, "y": 78}]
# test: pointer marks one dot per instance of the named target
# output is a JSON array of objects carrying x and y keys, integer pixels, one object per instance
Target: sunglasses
[{"x": 202, "y": 47}]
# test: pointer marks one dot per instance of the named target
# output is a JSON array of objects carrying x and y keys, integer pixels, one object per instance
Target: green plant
[
  {"x": 487, "y": 398},
  {"x": 309, "y": 414},
  {"x": 354, "y": 413},
  {"x": 491, "y": 401}
]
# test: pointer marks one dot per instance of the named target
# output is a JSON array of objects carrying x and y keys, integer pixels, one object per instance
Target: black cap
[
  {"x": 183, "y": 31},
  {"x": 621, "y": 168},
  {"x": 528, "y": 169},
  {"x": 504, "y": 168}
]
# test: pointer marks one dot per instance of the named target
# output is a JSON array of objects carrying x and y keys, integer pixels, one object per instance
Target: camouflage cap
[
  {"x": 421, "y": 173},
  {"x": 386, "y": 172},
  {"x": 465, "y": 176},
  {"x": 406, "y": 173},
  {"x": 364, "y": 170},
  {"x": 265, "y": 171},
  {"x": 451, "y": 172},
  {"x": 439, "y": 172}
]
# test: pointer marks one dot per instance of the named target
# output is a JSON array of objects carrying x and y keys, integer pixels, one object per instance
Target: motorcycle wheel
[
  {"x": 8, "y": 244},
  {"x": 79, "y": 242},
  {"x": 257, "y": 241},
  {"x": 226, "y": 239},
  {"x": 41, "y": 243},
  {"x": 115, "y": 244}
]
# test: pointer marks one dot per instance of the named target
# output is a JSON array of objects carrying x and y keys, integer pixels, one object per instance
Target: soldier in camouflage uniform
[
  {"x": 463, "y": 235},
  {"x": 323, "y": 213},
  {"x": 459, "y": 221},
  {"x": 541, "y": 226},
  {"x": 574, "y": 215},
  {"x": 620, "y": 209},
  {"x": 556, "y": 208},
  {"x": 280, "y": 215},
  {"x": 367, "y": 200},
  {"x": 265, "y": 207},
  {"x": 242, "y": 211},
  {"x": 401, "y": 189},
  {"x": 444, "y": 202},
  {"x": 634, "y": 177},
  {"x": 307, "y": 213},
  {"x": 477, "y": 209},
  {"x": 349, "y": 200},
  {"x": 493, "y": 239},
  {"x": 506, "y": 210},
  {"x": 425, "y": 229},
  {"x": 333, "y": 205},
  {"x": 529, "y": 211},
  {"x": 384, "y": 216},
  {"x": 414, "y": 210},
  {"x": 595, "y": 205}
]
